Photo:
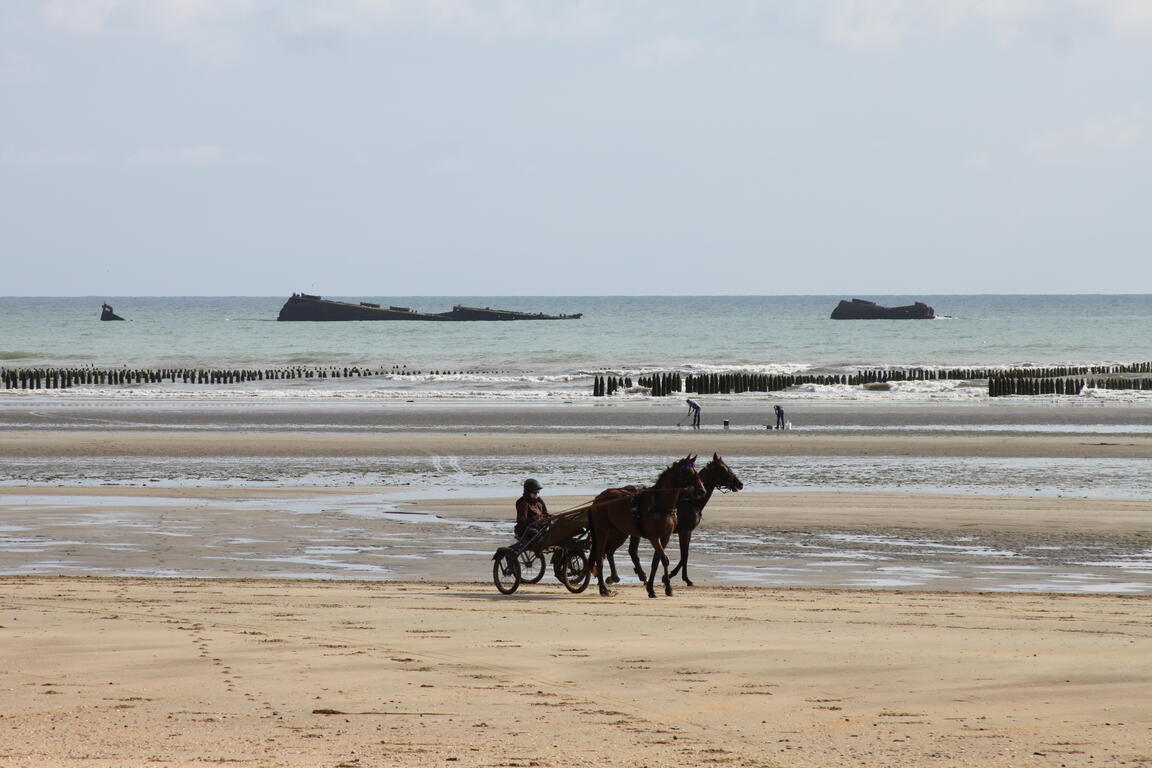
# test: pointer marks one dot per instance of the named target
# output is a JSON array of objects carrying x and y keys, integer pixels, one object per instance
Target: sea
[
  {"x": 556, "y": 360},
  {"x": 528, "y": 375},
  {"x": 537, "y": 377}
]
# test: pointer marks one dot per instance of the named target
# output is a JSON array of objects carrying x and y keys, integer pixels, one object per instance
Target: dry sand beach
[
  {"x": 362, "y": 660},
  {"x": 171, "y": 672}
]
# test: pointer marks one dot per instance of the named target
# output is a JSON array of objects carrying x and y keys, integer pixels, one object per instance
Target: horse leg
[
  {"x": 634, "y": 551},
  {"x": 685, "y": 540},
  {"x": 680, "y": 564},
  {"x": 664, "y": 560},
  {"x": 685, "y": 534},
  {"x": 613, "y": 545},
  {"x": 658, "y": 557},
  {"x": 599, "y": 542},
  {"x": 652, "y": 573},
  {"x": 613, "y": 575}
]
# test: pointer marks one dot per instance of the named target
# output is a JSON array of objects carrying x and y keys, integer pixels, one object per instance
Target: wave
[
  {"x": 59, "y": 361},
  {"x": 578, "y": 391}
]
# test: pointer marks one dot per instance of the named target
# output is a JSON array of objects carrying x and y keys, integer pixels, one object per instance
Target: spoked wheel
[
  {"x": 506, "y": 572},
  {"x": 573, "y": 571},
  {"x": 531, "y": 566}
]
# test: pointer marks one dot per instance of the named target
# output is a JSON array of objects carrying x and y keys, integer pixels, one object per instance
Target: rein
[{"x": 588, "y": 507}]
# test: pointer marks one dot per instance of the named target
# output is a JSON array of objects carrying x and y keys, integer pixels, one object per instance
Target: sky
[{"x": 578, "y": 147}]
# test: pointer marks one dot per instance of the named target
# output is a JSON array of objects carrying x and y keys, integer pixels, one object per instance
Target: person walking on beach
[
  {"x": 779, "y": 417},
  {"x": 531, "y": 511},
  {"x": 694, "y": 410}
]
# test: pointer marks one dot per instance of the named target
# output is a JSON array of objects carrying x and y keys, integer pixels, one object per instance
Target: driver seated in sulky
[{"x": 531, "y": 512}]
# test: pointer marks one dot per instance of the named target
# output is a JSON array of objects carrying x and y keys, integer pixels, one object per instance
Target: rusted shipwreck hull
[
  {"x": 106, "y": 313},
  {"x": 303, "y": 306},
  {"x": 859, "y": 309}
]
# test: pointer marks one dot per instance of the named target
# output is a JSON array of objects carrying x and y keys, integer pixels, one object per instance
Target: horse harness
[
  {"x": 692, "y": 503},
  {"x": 638, "y": 517}
]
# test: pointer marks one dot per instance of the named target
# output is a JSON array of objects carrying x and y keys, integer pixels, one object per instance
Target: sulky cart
[{"x": 562, "y": 539}]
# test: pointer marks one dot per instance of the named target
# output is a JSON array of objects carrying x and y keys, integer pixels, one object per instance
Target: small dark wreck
[
  {"x": 859, "y": 309},
  {"x": 106, "y": 313},
  {"x": 303, "y": 306}
]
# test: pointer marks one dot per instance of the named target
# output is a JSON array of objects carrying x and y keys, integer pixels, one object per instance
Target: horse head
[
  {"x": 682, "y": 474},
  {"x": 722, "y": 475}
]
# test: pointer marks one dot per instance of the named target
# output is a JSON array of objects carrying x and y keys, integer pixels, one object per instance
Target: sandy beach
[
  {"x": 358, "y": 626},
  {"x": 110, "y": 443},
  {"x": 178, "y": 673}
]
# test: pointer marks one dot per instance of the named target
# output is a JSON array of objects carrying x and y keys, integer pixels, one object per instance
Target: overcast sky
[{"x": 384, "y": 147}]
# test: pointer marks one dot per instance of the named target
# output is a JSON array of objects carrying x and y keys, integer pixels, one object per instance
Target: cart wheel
[
  {"x": 506, "y": 572},
  {"x": 559, "y": 558},
  {"x": 531, "y": 566},
  {"x": 575, "y": 575}
]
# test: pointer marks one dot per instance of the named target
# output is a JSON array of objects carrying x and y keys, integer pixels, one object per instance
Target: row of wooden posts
[
  {"x": 1004, "y": 386},
  {"x": 65, "y": 378},
  {"x": 607, "y": 385},
  {"x": 1001, "y": 381},
  {"x": 1065, "y": 380}
]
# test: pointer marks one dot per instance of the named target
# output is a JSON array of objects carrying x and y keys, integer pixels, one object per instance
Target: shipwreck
[
  {"x": 304, "y": 306},
  {"x": 859, "y": 309},
  {"x": 106, "y": 313}
]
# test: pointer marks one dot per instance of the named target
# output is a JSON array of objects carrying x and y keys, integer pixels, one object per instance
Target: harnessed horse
[
  {"x": 648, "y": 512},
  {"x": 716, "y": 474}
]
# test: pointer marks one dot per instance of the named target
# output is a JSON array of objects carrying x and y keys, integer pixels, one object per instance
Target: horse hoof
[
  {"x": 606, "y": 593},
  {"x": 668, "y": 591},
  {"x": 613, "y": 579},
  {"x": 651, "y": 593},
  {"x": 688, "y": 583}
]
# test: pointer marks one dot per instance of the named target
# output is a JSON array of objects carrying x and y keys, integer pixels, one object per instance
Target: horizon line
[{"x": 560, "y": 295}]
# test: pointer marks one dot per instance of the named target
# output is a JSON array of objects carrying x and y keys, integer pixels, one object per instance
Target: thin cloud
[
  {"x": 197, "y": 156},
  {"x": 887, "y": 23},
  {"x": 354, "y": 18},
  {"x": 81, "y": 17},
  {"x": 1116, "y": 137},
  {"x": 38, "y": 160},
  {"x": 853, "y": 23},
  {"x": 664, "y": 53},
  {"x": 1126, "y": 17},
  {"x": 868, "y": 23}
]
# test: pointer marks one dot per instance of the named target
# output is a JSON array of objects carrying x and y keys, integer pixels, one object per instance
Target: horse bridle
[{"x": 724, "y": 487}]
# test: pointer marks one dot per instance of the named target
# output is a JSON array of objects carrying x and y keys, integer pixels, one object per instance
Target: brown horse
[
  {"x": 716, "y": 474},
  {"x": 649, "y": 512}
]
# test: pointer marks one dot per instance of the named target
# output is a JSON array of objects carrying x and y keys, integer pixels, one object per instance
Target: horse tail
[{"x": 592, "y": 536}]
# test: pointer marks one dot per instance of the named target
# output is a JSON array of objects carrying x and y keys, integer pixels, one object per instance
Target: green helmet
[{"x": 531, "y": 484}]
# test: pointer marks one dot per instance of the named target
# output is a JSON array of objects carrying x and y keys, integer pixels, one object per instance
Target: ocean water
[{"x": 552, "y": 360}]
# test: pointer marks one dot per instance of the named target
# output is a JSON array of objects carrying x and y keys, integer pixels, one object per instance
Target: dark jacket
[{"x": 529, "y": 510}]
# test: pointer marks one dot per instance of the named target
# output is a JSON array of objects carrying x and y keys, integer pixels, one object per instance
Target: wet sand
[
  {"x": 111, "y": 443},
  {"x": 140, "y": 412},
  {"x": 834, "y": 540}
]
